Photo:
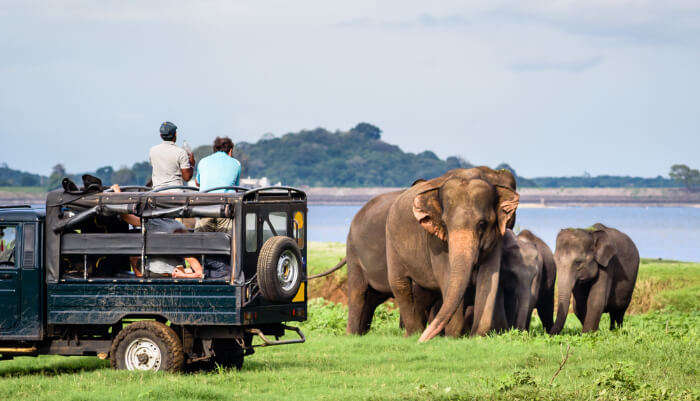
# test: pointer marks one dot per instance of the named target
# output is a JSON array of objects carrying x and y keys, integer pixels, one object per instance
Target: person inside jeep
[
  {"x": 215, "y": 267},
  {"x": 169, "y": 266}
]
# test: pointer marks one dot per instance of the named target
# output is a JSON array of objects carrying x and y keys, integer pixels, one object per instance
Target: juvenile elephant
[
  {"x": 599, "y": 266},
  {"x": 521, "y": 270},
  {"x": 545, "y": 298},
  {"x": 519, "y": 285},
  {"x": 441, "y": 231}
]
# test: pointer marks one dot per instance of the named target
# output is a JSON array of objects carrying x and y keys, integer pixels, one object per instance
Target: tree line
[{"x": 357, "y": 157}]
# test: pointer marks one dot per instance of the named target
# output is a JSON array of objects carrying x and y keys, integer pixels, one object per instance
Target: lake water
[{"x": 659, "y": 232}]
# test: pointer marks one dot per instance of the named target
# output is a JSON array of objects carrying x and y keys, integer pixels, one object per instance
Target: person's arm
[
  {"x": 237, "y": 182},
  {"x": 186, "y": 165},
  {"x": 198, "y": 270},
  {"x": 127, "y": 217}
]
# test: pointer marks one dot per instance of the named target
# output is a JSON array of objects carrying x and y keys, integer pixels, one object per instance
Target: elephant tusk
[{"x": 431, "y": 331}]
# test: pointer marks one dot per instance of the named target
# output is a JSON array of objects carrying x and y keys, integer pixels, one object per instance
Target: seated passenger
[
  {"x": 219, "y": 169},
  {"x": 169, "y": 266},
  {"x": 172, "y": 165}
]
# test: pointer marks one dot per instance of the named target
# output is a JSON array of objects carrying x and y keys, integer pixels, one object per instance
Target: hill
[
  {"x": 357, "y": 157},
  {"x": 354, "y": 158}
]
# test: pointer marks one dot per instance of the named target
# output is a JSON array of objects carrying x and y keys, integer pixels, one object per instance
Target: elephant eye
[{"x": 481, "y": 225}]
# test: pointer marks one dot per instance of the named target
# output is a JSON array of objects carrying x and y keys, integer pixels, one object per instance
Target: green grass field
[{"x": 655, "y": 356}]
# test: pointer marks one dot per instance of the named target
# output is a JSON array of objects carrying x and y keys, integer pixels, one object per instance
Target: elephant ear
[
  {"x": 508, "y": 201},
  {"x": 603, "y": 248},
  {"x": 428, "y": 211}
]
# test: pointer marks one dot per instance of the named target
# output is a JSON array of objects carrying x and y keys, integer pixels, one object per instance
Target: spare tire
[{"x": 279, "y": 269}]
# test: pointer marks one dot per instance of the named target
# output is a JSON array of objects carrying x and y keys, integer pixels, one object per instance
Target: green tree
[
  {"x": 368, "y": 130},
  {"x": 57, "y": 174},
  {"x": 123, "y": 176},
  {"x": 690, "y": 178},
  {"x": 142, "y": 172},
  {"x": 105, "y": 174}
]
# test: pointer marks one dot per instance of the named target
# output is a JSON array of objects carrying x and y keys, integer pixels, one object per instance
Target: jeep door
[{"x": 9, "y": 277}]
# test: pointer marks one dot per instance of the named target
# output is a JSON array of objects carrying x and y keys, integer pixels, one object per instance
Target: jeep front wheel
[{"x": 147, "y": 345}]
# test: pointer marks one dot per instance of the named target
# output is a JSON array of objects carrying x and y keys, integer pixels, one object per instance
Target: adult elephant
[
  {"x": 441, "y": 231},
  {"x": 545, "y": 298},
  {"x": 521, "y": 270},
  {"x": 599, "y": 267}
]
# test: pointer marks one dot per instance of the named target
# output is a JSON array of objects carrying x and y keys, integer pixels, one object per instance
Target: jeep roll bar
[
  {"x": 187, "y": 187},
  {"x": 140, "y": 188},
  {"x": 254, "y": 193},
  {"x": 236, "y": 188}
]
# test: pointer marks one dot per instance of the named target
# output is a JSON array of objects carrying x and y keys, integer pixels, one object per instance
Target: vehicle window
[
  {"x": 276, "y": 224},
  {"x": 251, "y": 233},
  {"x": 8, "y": 236},
  {"x": 28, "y": 245}
]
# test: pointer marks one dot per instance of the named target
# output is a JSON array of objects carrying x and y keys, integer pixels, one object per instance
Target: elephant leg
[
  {"x": 616, "y": 318},
  {"x": 485, "y": 297},
  {"x": 597, "y": 300},
  {"x": 523, "y": 309},
  {"x": 500, "y": 320},
  {"x": 468, "y": 318},
  {"x": 510, "y": 305},
  {"x": 411, "y": 317},
  {"x": 425, "y": 300},
  {"x": 455, "y": 326},
  {"x": 545, "y": 308},
  {"x": 362, "y": 300},
  {"x": 580, "y": 300}
]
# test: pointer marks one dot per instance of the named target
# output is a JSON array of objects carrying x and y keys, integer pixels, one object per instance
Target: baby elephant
[
  {"x": 599, "y": 266},
  {"x": 521, "y": 269}
]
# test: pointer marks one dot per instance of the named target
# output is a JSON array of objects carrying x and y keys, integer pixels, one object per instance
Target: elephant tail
[{"x": 327, "y": 272}]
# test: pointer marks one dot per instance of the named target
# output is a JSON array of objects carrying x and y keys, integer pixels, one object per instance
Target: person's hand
[{"x": 116, "y": 188}]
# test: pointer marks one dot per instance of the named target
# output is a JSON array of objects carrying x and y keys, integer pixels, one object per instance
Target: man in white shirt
[{"x": 172, "y": 165}]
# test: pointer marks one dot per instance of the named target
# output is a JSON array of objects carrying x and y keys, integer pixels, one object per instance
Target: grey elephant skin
[
  {"x": 598, "y": 266},
  {"x": 545, "y": 298},
  {"x": 368, "y": 284},
  {"x": 441, "y": 231},
  {"x": 520, "y": 286},
  {"x": 521, "y": 271}
]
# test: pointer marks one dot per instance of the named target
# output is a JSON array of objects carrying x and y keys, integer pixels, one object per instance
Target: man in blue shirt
[{"x": 219, "y": 169}]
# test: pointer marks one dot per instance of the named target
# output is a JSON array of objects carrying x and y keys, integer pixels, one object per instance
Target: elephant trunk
[
  {"x": 565, "y": 287},
  {"x": 463, "y": 248}
]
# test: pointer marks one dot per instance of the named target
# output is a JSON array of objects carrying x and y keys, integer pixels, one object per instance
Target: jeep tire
[
  {"x": 147, "y": 345},
  {"x": 279, "y": 269}
]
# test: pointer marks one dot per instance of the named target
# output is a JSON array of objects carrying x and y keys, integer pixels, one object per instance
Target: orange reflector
[{"x": 300, "y": 297}]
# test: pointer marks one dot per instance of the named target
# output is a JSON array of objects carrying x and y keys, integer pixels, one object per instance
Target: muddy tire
[
  {"x": 279, "y": 269},
  {"x": 147, "y": 345}
]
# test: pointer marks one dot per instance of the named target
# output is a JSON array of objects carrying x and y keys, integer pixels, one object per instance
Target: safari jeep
[{"x": 68, "y": 284}]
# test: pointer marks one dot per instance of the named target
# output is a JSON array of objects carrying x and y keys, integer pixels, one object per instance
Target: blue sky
[{"x": 553, "y": 88}]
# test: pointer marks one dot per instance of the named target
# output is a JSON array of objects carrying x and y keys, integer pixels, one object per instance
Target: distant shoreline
[
  {"x": 529, "y": 197},
  {"x": 537, "y": 197}
]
